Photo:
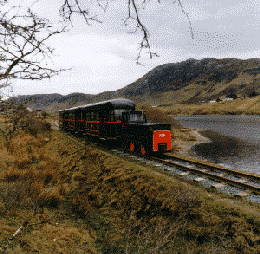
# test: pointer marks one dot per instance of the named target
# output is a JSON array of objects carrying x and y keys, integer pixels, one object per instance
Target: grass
[
  {"x": 157, "y": 116},
  {"x": 107, "y": 204},
  {"x": 246, "y": 106},
  {"x": 27, "y": 160}
]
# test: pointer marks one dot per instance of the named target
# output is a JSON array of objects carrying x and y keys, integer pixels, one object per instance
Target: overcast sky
[{"x": 103, "y": 56}]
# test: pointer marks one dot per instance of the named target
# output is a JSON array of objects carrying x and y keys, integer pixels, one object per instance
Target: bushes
[
  {"x": 12, "y": 195},
  {"x": 23, "y": 119},
  {"x": 158, "y": 116},
  {"x": 37, "y": 126},
  {"x": 33, "y": 126}
]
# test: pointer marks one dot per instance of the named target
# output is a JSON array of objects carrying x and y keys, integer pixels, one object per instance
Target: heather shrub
[
  {"x": 157, "y": 116},
  {"x": 33, "y": 125},
  {"x": 12, "y": 195},
  {"x": 38, "y": 126}
]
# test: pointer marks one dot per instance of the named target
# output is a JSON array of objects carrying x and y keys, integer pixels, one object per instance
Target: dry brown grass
[
  {"x": 62, "y": 237},
  {"x": 247, "y": 106},
  {"x": 158, "y": 116},
  {"x": 123, "y": 207},
  {"x": 121, "y": 189},
  {"x": 27, "y": 161}
]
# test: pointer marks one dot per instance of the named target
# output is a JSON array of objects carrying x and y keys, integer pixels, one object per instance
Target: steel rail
[
  {"x": 204, "y": 170},
  {"x": 215, "y": 167},
  {"x": 208, "y": 174}
]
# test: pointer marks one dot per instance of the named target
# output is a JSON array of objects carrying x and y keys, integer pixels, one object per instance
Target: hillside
[
  {"x": 193, "y": 81},
  {"x": 188, "y": 82},
  {"x": 53, "y": 102},
  {"x": 240, "y": 106}
]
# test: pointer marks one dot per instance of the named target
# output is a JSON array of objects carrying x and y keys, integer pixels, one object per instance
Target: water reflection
[
  {"x": 242, "y": 127},
  {"x": 235, "y": 140},
  {"x": 230, "y": 152}
]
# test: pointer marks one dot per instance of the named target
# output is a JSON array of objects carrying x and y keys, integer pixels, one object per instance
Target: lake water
[{"x": 235, "y": 140}]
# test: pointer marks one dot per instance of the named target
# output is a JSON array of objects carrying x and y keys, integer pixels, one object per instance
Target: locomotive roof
[{"x": 115, "y": 103}]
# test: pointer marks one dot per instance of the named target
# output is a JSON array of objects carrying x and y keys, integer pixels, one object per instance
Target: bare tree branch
[
  {"x": 139, "y": 25},
  {"x": 186, "y": 14},
  {"x": 24, "y": 52},
  {"x": 71, "y": 7}
]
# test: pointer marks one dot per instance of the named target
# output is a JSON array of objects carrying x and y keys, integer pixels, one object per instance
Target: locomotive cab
[{"x": 144, "y": 137}]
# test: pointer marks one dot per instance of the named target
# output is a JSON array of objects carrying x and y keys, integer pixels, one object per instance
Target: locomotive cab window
[
  {"x": 136, "y": 117},
  {"x": 121, "y": 114}
]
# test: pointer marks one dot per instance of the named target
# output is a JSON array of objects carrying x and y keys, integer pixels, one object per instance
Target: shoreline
[{"x": 183, "y": 148}]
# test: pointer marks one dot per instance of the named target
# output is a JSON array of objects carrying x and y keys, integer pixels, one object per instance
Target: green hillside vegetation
[
  {"x": 71, "y": 195},
  {"x": 240, "y": 106},
  {"x": 186, "y": 83},
  {"x": 193, "y": 81}
]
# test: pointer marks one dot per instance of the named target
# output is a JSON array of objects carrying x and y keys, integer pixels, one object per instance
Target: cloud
[{"x": 104, "y": 55}]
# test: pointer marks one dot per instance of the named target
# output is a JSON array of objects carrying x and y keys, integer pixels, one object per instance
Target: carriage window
[
  {"x": 111, "y": 116},
  {"x": 118, "y": 114},
  {"x": 82, "y": 114},
  {"x": 96, "y": 116},
  {"x": 71, "y": 115}
]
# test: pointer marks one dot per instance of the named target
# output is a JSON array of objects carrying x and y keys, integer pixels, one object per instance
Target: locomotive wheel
[
  {"x": 132, "y": 146},
  {"x": 143, "y": 150}
]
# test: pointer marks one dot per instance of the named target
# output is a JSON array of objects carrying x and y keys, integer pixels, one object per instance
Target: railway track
[
  {"x": 232, "y": 182},
  {"x": 246, "y": 181},
  {"x": 208, "y": 175}
]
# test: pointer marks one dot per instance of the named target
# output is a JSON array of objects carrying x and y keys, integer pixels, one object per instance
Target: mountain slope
[
  {"x": 53, "y": 102},
  {"x": 187, "y": 82},
  {"x": 195, "y": 80}
]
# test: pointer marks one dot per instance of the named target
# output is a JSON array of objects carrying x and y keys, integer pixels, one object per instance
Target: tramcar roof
[{"x": 116, "y": 103}]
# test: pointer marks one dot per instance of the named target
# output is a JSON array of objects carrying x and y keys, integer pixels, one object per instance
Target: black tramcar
[{"x": 117, "y": 120}]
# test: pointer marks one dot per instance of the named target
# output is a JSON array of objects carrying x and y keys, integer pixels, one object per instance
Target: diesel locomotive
[{"x": 117, "y": 120}]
